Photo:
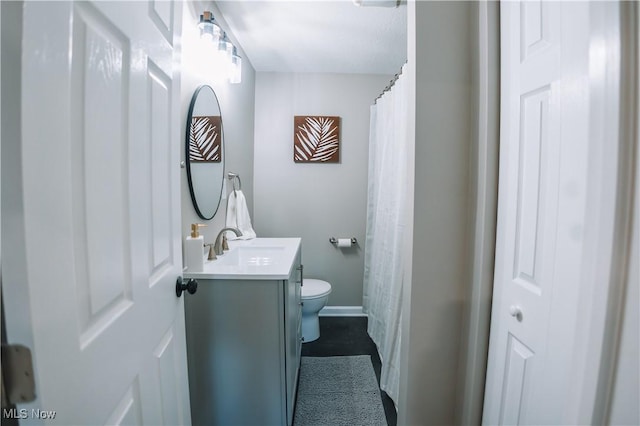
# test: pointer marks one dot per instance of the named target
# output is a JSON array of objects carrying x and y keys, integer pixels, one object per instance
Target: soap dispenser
[{"x": 194, "y": 249}]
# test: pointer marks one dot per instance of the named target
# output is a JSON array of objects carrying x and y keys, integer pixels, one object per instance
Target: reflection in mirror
[{"x": 204, "y": 152}]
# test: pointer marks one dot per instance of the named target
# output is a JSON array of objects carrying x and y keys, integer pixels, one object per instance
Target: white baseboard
[{"x": 342, "y": 311}]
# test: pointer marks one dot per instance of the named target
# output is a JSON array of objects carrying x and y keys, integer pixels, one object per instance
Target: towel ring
[{"x": 235, "y": 177}]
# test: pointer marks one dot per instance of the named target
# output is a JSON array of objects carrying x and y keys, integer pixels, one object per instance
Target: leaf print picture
[
  {"x": 316, "y": 139},
  {"x": 204, "y": 139}
]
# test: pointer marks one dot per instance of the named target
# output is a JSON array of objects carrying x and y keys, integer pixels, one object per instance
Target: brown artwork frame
[
  {"x": 205, "y": 139},
  {"x": 316, "y": 139}
]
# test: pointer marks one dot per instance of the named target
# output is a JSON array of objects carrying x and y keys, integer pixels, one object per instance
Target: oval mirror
[{"x": 204, "y": 152}]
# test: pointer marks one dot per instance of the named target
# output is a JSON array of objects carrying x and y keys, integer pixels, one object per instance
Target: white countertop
[{"x": 256, "y": 259}]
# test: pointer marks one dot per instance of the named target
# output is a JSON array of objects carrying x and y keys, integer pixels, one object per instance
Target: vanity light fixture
[
  {"x": 209, "y": 28},
  {"x": 235, "y": 73},
  {"x": 225, "y": 51}
]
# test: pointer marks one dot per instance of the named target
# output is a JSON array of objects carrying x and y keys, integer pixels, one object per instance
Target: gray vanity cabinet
[
  {"x": 243, "y": 347},
  {"x": 293, "y": 332}
]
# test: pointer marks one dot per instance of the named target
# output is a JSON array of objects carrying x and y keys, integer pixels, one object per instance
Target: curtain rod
[{"x": 391, "y": 83}]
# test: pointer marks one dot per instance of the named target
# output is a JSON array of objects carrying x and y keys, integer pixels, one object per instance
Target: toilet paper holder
[{"x": 334, "y": 240}]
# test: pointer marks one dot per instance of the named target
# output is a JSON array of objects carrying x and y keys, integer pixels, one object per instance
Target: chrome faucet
[{"x": 217, "y": 246}]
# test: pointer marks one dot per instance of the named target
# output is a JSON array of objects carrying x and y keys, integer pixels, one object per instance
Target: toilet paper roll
[{"x": 344, "y": 242}]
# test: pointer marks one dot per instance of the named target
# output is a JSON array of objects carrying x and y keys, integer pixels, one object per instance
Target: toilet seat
[{"x": 313, "y": 289}]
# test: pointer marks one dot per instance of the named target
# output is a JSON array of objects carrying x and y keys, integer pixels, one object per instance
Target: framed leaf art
[
  {"x": 316, "y": 139},
  {"x": 205, "y": 140}
]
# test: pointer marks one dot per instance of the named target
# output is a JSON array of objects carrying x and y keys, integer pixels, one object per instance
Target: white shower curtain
[{"x": 387, "y": 208}]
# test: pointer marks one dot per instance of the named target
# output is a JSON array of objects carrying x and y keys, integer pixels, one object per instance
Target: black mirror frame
[{"x": 194, "y": 202}]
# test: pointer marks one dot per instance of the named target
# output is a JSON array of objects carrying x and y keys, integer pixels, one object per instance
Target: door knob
[
  {"x": 516, "y": 312},
  {"x": 189, "y": 285}
]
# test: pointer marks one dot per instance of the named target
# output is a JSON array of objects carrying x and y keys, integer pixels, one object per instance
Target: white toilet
[{"x": 315, "y": 294}]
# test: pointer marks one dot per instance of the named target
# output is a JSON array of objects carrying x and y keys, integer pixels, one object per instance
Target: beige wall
[
  {"x": 441, "y": 43},
  {"x": 315, "y": 201},
  {"x": 482, "y": 218},
  {"x": 237, "y": 107},
  {"x": 624, "y": 408},
  {"x": 626, "y": 381}
]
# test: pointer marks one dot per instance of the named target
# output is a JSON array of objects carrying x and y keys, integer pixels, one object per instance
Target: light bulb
[
  {"x": 209, "y": 28},
  {"x": 225, "y": 46},
  {"x": 235, "y": 74}
]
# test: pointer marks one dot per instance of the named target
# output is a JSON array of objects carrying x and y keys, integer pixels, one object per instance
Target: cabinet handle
[
  {"x": 301, "y": 269},
  {"x": 301, "y": 303},
  {"x": 190, "y": 285}
]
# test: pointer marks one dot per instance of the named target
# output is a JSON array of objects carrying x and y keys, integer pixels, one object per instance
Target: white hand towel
[{"x": 238, "y": 217}]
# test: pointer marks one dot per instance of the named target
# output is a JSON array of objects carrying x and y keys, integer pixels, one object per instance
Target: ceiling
[{"x": 324, "y": 36}]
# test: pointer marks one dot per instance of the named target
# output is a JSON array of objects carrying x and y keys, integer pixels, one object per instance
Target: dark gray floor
[{"x": 345, "y": 336}]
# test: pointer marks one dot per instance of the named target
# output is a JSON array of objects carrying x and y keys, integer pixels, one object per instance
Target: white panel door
[
  {"x": 541, "y": 210},
  {"x": 100, "y": 161}
]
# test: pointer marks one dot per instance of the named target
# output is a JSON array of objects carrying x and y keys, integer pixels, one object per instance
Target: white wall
[
  {"x": 441, "y": 43},
  {"x": 237, "y": 108},
  {"x": 315, "y": 201}
]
